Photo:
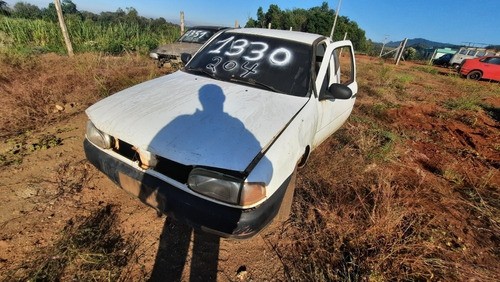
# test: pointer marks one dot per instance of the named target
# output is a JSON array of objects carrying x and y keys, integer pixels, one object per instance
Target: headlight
[
  {"x": 153, "y": 55},
  {"x": 148, "y": 159},
  {"x": 98, "y": 137},
  {"x": 226, "y": 188}
]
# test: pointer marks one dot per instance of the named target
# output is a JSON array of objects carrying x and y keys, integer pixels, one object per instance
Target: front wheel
[{"x": 475, "y": 75}]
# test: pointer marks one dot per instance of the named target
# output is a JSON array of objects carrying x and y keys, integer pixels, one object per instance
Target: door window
[{"x": 344, "y": 64}]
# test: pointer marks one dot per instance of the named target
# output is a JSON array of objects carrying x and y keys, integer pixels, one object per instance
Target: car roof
[
  {"x": 298, "y": 36},
  {"x": 209, "y": 27}
]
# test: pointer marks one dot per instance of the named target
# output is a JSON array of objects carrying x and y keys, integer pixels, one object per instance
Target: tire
[{"x": 475, "y": 75}]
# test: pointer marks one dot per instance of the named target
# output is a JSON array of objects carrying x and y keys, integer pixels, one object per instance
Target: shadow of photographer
[
  {"x": 192, "y": 137},
  {"x": 173, "y": 254}
]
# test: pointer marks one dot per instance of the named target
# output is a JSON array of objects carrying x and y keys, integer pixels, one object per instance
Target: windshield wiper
[
  {"x": 203, "y": 71},
  {"x": 257, "y": 83}
]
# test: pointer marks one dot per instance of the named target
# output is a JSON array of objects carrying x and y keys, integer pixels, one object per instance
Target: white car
[
  {"x": 216, "y": 144},
  {"x": 189, "y": 43}
]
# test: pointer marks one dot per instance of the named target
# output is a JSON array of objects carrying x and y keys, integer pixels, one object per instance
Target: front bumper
[{"x": 197, "y": 212}]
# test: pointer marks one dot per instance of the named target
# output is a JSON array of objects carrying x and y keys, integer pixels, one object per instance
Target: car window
[
  {"x": 345, "y": 65},
  {"x": 471, "y": 52},
  {"x": 196, "y": 36},
  {"x": 494, "y": 60},
  {"x": 271, "y": 63},
  {"x": 480, "y": 53},
  {"x": 463, "y": 52}
]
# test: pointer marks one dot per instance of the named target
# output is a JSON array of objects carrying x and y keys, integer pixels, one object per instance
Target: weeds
[
  {"x": 427, "y": 69},
  {"x": 72, "y": 177},
  {"x": 86, "y": 36},
  {"x": 80, "y": 80},
  {"x": 19, "y": 147},
  {"x": 466, "y": 102},
  {"x": 372, "y": 205}
]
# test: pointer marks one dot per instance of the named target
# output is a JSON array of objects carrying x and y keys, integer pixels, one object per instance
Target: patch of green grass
[
  {"x": 427, "y": 69},
  {"x": 384, "y": 75},
  {"x": 384, "y": 148},
  {"x": 19, "y": 147},
  {"x": 466, "y": 102}
]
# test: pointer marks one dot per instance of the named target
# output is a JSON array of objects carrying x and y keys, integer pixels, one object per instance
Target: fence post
[{"x": 63, "y": 28}]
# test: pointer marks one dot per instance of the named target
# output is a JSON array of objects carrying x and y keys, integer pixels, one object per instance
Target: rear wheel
[{"x": 476, "y": 75}]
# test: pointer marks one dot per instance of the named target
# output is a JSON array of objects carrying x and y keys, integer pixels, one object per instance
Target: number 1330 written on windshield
[{"x": 257, "y": 51}]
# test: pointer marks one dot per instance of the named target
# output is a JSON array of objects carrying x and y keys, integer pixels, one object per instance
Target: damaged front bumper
[{"x": 197, "y": 212}]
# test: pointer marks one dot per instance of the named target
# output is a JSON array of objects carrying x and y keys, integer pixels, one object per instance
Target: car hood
[
  {"x": 196, "y": 120},
  {"x": 177, "y": 48}
]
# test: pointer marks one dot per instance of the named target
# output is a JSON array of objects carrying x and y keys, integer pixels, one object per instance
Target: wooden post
[
  {"x": 335, "y": 20},
  {"x": 236, "y": 24},
  {"x": 182, "y": 22},
  {"x": 400, "y": 53},
  {"x": 383, "y": 45},
  {"x": 269, "y": 26},
  {"x": 63, "y": 28}
]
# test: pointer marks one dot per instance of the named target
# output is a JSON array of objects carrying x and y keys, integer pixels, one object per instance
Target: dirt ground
[{"x": 441, "y": 147}]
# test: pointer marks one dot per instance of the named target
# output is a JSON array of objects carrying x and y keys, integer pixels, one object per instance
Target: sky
[{"x": 460, "y": 22}]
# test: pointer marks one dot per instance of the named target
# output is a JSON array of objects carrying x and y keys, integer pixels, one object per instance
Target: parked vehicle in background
[
  {"x": 443, "y": 61},
  {"x": 217, "y": 144},
  {"x": 481, "y": 68},
  {"x": 189, "y": 43},
  {"x": 469, "y": 53}
]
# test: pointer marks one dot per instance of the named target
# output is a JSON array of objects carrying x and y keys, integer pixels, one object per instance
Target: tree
[
  {"x": 50, "y": 13},
  {"x": 68, "y": 7},
  {"x": 320, "y": 20},
  {"x": 26, "y": 11},
  {"x": 410, "y": 53},
  {"x": 4, "y": 8},
  {"x": 274, "y": 16},
  {"x": 314, "y": 20}
]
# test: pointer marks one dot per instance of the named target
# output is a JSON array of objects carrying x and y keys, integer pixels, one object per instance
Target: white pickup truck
[{"x": 217, "y": 144}]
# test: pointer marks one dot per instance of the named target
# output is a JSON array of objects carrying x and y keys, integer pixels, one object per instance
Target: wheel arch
[{"x": 305, "y": 157}]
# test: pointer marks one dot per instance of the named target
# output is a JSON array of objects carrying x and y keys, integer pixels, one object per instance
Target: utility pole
[
  {"x": 335, "y": 20},
  {"x": 383, "y": 45},
  {"x": 63, "y": 28},
  {"x": 182, "y": 22}
]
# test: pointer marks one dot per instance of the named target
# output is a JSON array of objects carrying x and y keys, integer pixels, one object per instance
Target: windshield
[
  {"x": 196, "y": 35},
  {"x": 270, "y": 63}
]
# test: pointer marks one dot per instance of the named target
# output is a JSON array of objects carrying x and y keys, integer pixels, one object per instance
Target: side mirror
[
  {"x": 336, "y": 91},
  {"x": 185, "y": 57}
]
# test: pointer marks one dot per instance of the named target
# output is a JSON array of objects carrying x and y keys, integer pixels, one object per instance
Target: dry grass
[
  {"x": 408, "y": 189},
  {"x": 89, "y": 249},
  {"x": 373, "y": 205},
  {"x": 31, "y": 87}
]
